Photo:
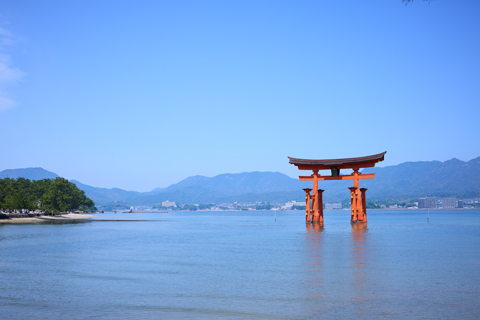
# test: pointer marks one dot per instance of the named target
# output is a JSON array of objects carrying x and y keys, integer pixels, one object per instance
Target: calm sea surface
[{"x": 243, "y": 265}]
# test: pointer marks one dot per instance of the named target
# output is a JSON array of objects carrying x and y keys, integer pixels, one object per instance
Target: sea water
[{"x": 244, "y": 265}]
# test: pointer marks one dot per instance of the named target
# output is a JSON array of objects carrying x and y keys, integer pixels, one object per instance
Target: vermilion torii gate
[{"x": 357, "y": 194}]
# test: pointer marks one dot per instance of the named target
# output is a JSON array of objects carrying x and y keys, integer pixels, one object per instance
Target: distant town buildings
[
  {"x": 140, "y": 208},
  {"x": 449, "y": 203},
  {"x": 290, "y": 204},
  {"x": 333, "y": 205},
  {"x": 427, "y": 203},
  {"x": 167, "y": 204},
  {"x": 423, "y": 203}
]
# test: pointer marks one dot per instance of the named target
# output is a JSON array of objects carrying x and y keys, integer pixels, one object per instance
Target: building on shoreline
[
  {"x": 141, "y": 208},
  {"x": 449, "y": 203},
  {"x": 333, "y": 205},
  {"x": 167, "y": 204},
  {"x": 289, "y": 205},
  {"x": 427, "y": 203}
]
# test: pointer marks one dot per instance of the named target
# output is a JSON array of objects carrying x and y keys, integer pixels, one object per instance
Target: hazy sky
[{"x": 142, "y": 94}]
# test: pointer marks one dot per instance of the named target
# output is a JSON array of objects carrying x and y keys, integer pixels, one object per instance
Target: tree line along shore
[{"x": 21, "y": 198}]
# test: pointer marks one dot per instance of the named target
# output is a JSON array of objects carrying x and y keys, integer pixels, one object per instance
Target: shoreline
[{"x": 71, "y": 217}]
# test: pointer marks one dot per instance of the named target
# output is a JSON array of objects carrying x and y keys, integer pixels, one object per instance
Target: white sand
[{"x": 64, "y": 217}]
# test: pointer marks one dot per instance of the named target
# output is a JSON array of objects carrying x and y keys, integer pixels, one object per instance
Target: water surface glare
[{"x": 243, "y": 265}]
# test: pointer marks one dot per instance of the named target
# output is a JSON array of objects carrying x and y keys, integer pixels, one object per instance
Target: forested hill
[{"x": 452, "y": 178}]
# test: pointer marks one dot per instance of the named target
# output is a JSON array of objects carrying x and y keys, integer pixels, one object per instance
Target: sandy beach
[{"x": 44, "y": 219}]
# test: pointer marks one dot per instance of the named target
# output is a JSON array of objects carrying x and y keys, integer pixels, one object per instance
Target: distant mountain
[
  {"x": 103, "y": 195},
  {"x": 229, "y": 187},
  {"x": 28, "y": 173},
  {"x": 239, "y": 183},
  {"x": 452, "y": 178}
]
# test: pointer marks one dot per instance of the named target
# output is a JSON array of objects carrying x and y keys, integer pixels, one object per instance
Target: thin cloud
[
  {"x": 5, "y": 33},
  {"x": 9, "y": 75},
  {"x": 5, "y": 103}
]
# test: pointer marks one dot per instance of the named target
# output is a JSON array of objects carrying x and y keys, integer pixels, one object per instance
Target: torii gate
[{"x": 357, "y": 194}]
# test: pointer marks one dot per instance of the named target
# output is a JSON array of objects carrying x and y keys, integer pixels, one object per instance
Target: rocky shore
[{"x": 39, "y": 216}]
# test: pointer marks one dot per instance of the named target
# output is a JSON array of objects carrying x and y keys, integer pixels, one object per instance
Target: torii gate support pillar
[
  {"x": 308, "y": 198},
  {"x": 353, "y": 204},
  {"x": 318, "y": 215},
  {"x": 364, "y": 203}
]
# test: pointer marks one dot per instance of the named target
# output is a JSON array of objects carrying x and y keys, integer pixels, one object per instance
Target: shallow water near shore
[{"x": 243, "y": 265}]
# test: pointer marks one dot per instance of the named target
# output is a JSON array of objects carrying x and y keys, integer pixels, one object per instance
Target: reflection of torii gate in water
[{"x": 358, "y": 201}]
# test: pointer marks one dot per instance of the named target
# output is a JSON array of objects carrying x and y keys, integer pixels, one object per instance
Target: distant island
[{"x": 396, "y": 186}]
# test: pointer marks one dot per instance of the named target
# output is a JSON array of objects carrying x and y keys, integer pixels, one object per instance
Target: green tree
[
  {"x": 190, "y": 207},
  {"x": 267, "y": 206},
  {"x": 7, "y": 190},
  {"x": 23, "y": 194},
  {"x": 63, "y": 195},
  {"x": 10, "y": 202},
  {"x": 204, "y": 206},
  {"x": 55, "y": 195},
  {"x": 37, "y": 189}
]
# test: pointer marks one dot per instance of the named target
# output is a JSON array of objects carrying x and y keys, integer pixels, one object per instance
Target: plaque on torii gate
[{"x": 314, "y": 214}]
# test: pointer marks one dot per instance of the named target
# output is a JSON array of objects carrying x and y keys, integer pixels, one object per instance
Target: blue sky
[{"x": 142, "y": 94}]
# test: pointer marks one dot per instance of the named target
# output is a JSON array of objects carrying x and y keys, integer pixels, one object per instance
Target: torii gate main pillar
[{"x": 314, "y": 214}]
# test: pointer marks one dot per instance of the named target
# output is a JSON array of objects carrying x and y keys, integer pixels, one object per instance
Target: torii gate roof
[{"x": 346, "y": 163}]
